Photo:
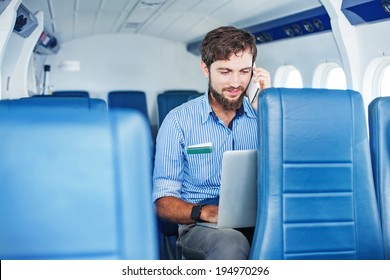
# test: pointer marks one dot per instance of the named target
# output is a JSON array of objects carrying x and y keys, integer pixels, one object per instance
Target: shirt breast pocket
[{"x": 203, "y": 168}]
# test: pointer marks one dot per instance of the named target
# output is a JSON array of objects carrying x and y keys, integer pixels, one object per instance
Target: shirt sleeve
[{"x": 168, "y": 167}]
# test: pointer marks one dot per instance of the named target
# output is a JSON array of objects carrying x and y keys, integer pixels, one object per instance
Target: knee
[{"x": 232, "y": 245}]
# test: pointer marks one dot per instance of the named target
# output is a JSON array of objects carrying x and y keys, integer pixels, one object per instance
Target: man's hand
[
  {"x": 178, "y": 211},
  {"x": 262, "y": 76},
  {"x": 209, "y": 213}
]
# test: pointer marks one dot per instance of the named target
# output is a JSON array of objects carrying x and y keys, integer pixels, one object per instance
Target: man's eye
[{"x": 224, "y": 72}]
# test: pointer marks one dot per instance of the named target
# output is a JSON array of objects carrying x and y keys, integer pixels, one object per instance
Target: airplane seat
[
  {"x": 76, "y": 186},
  {"x": 166, "y": 101},
  {"x": 71, "y": 93},
  {"x": 133, "y": 100},
  {"x": 316, "y": 196},
  {"x": 379, "y": 127},
  {"x": 128, "y": 99},
  {"x": 168, "y": 234},
  {"x": 170, "y": 99},
  {"x": 56, "y": 103},
  {"x": 193, "y": 96}
]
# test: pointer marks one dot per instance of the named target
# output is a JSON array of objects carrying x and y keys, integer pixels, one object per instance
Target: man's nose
[{"x": 235, "y": 80}]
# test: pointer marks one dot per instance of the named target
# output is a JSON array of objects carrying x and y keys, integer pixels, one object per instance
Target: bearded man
[{"x": 186, "y": 184}]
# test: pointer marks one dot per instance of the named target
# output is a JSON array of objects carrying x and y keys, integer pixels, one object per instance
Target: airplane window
[
  {"x": 378, "y": 75},
  {"x": 329, "y": 75},
  {"x": 288, "y": 76},
  {"x": 385, "y": 82},
  {"x": 294, "y": 79},
  {"x": 336, "y": 79}
]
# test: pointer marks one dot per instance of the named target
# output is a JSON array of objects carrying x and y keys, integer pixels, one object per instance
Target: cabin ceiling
[{"x": 178, "y": 20}]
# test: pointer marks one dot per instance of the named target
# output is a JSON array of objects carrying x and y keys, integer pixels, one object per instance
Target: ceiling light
[
  {"x": 151, "y": 4},
  {"x": 70, "y": 65}
]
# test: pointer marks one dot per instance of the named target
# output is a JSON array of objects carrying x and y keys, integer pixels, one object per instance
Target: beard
[{"x": 226, "y": 103}]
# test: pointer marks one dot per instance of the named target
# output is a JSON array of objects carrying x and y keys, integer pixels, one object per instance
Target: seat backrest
[
  {"x": 166, "y": 101},
  {"x": 71, "y": 93},
  {"x": 55, "y": 103},
  {"x": 128, "y": 99},
  {"x": 170, "y": 99},
  {"x": 76, "y": 186},
  {"x": 316, "y": 196},
  {"x": 193, "y": 96},
  {"x": 379, "y": 126}
]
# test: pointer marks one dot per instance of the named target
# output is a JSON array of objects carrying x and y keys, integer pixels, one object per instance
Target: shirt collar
[{"x": 207, "y": 111}]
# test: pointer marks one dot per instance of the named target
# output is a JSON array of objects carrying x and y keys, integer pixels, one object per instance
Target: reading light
[
  {"x": 261, "y": 39},
  {"x": 288, "y": 31},
  {"x": 318, "y": 24},
  {"x": 264, "y": 37},
  {"x": 386, "y": 6},
  {"x": 297, "y": 29},
  {"x": 308, "y": 26},
  {"x": 268, "y": 37}
]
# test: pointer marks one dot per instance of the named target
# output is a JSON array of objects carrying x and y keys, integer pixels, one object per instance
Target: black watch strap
[{"x": 195, "y": 212}]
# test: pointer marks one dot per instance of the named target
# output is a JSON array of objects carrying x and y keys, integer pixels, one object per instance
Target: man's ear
[{"x": 204, "y": 68}]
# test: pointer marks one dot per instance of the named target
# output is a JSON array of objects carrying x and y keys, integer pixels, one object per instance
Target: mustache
[{"x": 233, "y": 88}]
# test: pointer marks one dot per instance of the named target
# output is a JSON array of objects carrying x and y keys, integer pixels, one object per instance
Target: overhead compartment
[
  {"x": 308, "y": 22},
  {"x": 363, "y": 11}
]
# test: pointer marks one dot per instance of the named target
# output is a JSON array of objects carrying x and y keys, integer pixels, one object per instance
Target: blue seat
[
  {"x": 71, "y": 93},
  {"x": 128, "y": 99},
  {"x": 166, "y": 101},
  {"x": 76, "y": 186},
  {"x": 170, "y": 99},
  {"x": 193, "y": 96},
  {"x": 379, "y": 124},
  {"x": 67, "y": 104},
  {"x": 316, "y": 196}
]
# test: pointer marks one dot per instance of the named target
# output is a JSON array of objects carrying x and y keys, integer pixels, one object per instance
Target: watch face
[{"x": 195, "y": 213}]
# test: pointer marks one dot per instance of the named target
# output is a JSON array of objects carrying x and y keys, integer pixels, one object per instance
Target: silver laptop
[{"x": 238, "y": 191}]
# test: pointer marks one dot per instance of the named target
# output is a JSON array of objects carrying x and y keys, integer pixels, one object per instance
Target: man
[{"x": 186, "y": 185}]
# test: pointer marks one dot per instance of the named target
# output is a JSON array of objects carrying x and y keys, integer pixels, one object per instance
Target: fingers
[{"x": 262, "y": 76}]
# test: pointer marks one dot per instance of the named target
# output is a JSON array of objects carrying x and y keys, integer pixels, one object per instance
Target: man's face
[{"x": 229, "y": 79}]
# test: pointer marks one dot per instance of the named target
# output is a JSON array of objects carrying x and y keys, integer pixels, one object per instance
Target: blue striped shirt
[{"x": 196, "y": 177}]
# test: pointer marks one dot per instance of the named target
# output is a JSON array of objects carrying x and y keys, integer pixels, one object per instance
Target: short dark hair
[{"x": 221, "y": 43}]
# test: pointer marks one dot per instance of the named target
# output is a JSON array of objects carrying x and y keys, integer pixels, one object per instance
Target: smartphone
[{"x": 253, "y": 89}]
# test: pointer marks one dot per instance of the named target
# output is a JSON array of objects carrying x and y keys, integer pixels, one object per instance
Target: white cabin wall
[
  {"x": 126, "y": 62},
  {"x": 359, "y": 45},
  {"x": 374, "y": 40},
  {"x": 7, "y": 21},
  {"x": 305, "y": 53},
  {"x": 10, "y": 59},
  {"x": 16, "y": 62},
  {"x": 375, "y": 45}
]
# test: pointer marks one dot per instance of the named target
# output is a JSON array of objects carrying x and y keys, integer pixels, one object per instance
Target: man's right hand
[
  {"x": 178, "y": 211},
  {"x": 209, "y": 213}
]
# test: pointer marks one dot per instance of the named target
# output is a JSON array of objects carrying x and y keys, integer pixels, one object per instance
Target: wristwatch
[{"x": 195, "y": 212}]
